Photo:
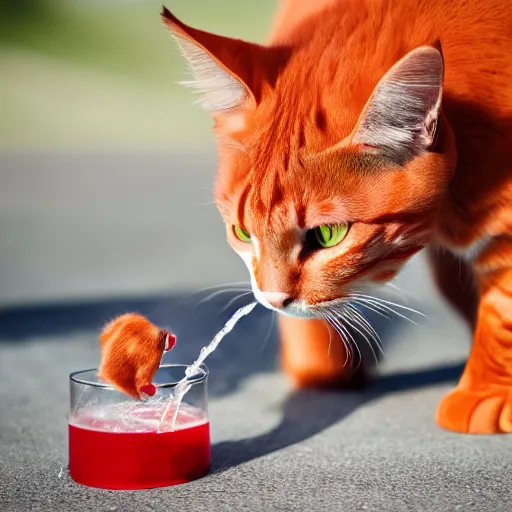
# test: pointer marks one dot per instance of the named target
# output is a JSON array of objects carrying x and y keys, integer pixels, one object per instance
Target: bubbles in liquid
[{"x": 134, "y": 417}]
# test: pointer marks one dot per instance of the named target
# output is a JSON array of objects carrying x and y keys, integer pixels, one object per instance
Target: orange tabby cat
[{"x": 363, "y": 132}]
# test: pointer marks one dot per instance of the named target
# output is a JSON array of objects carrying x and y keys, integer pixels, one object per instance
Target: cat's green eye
[
  {"x": 329, "y": 236},
  {"x": 241, "y": 234}
]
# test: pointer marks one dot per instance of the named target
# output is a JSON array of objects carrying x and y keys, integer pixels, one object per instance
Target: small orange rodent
[{"x": 131, "y": 352}]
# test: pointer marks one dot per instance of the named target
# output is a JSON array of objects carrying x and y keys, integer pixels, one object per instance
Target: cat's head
[{"x": 329, "y": 179}]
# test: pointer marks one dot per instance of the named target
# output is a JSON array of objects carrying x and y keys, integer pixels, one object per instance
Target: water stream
[{"x": 183, "y": 385}]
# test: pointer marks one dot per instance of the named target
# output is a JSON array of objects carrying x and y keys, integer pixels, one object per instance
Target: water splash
[{"x": 183, "y": 385}]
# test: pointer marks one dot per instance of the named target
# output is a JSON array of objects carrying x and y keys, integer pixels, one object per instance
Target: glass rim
[{"x": 197, "y": 378}]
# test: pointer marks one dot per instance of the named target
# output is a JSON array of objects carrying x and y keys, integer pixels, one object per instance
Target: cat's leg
[
  {"x": 313, "y": 355},
  {"x": 482, "y": 401},
  {"x": 455, "y": 279}
]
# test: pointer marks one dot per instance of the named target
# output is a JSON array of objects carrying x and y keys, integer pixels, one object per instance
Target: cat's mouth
[{"x": 296, "y": 308}]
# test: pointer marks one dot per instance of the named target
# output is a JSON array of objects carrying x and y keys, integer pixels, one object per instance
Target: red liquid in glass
[{"x": 101, "y": 457}]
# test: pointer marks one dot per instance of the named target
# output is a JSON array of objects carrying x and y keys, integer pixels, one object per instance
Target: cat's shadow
[
  {"x": 251, "y": 350},
  {"x": 306, "y": 413}
]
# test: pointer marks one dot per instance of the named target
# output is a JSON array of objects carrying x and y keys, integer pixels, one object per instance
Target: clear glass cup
[{"x": 117, "y": 442}]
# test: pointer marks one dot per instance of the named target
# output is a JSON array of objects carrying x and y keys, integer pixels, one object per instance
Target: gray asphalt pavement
[{"x": 87, "y": 237}]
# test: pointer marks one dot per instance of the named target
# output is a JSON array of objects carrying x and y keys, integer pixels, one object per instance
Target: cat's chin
[{"x": 295, "y": 310}]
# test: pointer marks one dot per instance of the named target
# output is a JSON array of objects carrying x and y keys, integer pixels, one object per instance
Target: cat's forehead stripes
[
  {"x": 278, "y": 222},
  {"x": 329, "y": 211}
]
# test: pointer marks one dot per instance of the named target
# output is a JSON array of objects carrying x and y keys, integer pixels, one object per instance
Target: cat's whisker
[
  {"x": 374, "y": 340},
  {"x": 399, "y": 290},
  {"x": 232, "y": 284},
  {"x": 364, "y": 321},
  {"x": 386, "y": 308},
  {"x": 354, "y": 343},
  {"x": 350, "y": 319},
  {"x": 382, "y": 313},
  {"x": 269, "y": 332},
  {"x": 328, "y": 327},
  {"x": 330, "y": 340},
  {"x": 346, "y": 337},
  {"x": 341, "y": 319},
  {"x": 368, "y": 327},
  {"x": 385, "y": 305},
  {"x": 383, "y": 301},
  {"x": 234, "y": 299},
  {"x": 211, "y": 296},
  {"x": 339, "y": 330},
  {"x": 324, "y": 315}
]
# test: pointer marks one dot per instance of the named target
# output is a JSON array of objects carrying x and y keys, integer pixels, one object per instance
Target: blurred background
[
  {"x": 95, "y": 74},
  {"x": 106, "y": 165}
]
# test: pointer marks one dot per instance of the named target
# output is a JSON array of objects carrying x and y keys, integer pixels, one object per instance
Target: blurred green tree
[{"x": 15, "y": 10}]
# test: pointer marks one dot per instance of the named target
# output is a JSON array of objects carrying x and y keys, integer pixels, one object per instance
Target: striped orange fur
[
  {"x": 131, "y": 351},
  {"x": 391, "y": 117}
]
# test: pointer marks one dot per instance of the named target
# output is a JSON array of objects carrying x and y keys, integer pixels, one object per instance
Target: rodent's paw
[{"x": 148, "y": 389}]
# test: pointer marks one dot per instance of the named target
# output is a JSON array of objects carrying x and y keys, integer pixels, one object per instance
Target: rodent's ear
[
  {"x": 227, "y": 71},
  {"x": 399, "y": 120},
  {"x": 169, "y": 340}
]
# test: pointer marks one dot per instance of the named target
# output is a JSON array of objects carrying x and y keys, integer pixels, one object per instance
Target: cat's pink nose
[{"x": 278, "y": 300}]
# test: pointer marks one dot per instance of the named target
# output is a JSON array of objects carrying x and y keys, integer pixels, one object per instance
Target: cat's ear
[
  {"x": 224, "y": 68},
  {"x": 400, "y": 119}
]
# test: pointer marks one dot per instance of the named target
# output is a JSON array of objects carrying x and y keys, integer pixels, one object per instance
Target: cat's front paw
[{"x": 477, "y": 410}]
